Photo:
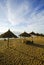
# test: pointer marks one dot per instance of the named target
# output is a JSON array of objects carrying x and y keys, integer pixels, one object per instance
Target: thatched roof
[
  {"x": 36, "y": 34},
  {"x": 8, "y": 34},
  {"x": 32, "y": 33},
  {"x": 24, "y": 34}
]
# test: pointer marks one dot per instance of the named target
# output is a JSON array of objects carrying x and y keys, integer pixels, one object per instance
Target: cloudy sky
[{"x": 22, "y": 15}]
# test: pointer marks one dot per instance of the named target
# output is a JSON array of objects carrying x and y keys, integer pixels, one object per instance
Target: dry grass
[{"x": 20, "y": 53}]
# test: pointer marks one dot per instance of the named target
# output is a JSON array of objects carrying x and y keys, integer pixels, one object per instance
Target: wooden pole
[
  {"x": 32, "y": 39},
  {"x": 8, "y": 43}
]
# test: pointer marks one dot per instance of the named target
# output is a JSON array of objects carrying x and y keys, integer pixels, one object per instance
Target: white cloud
[
  {"x": 17, "y": 15},
  {"x": 36, "y": 22}
]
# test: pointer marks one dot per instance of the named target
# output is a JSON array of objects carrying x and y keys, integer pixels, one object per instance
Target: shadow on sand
[{"x": 33, "y": 44}]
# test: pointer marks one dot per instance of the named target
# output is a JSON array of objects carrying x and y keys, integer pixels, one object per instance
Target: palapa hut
[
  {"x": 8, "y": 35},
  {"x": 37, "y": 34},
  {"x": 32, "y": 33},
  {"x": 24, "y": 34}
]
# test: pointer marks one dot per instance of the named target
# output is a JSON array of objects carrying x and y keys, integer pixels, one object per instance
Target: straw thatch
[
  {"x": 32, "y": 33},
  {"x": 8, "y": 34},
  {"x": 24, "y": 34}
]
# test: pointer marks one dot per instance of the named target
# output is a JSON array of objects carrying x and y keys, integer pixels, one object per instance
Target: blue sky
[{"x": 22, "y": 15}]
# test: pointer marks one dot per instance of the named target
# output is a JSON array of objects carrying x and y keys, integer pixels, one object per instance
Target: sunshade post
[
  {"x": 32, "y": 39},
  {"x": 8, "y": 43}
]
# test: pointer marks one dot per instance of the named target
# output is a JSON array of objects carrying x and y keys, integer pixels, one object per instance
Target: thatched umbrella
[
  {"x": 24, "y": 34},
  {"x": 37, "y": 34},
  {"x": 8, "y": 35},
  {"x": 32, "y": 35}
]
